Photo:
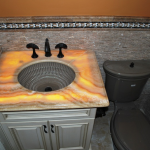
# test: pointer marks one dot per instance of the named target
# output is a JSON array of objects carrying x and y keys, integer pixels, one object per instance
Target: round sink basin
[{"x": 46, "y": 76}]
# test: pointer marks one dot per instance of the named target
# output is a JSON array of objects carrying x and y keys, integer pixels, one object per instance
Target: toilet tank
[{"x": 125, "y": 80}]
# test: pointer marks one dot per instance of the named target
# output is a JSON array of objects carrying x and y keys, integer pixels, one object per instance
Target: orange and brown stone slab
[{"x": 86, "y": 91}]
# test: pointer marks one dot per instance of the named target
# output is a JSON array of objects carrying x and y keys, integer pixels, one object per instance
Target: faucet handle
[
  {"x": 60, "y": 46},
  {"x": 33, "y": 46}
]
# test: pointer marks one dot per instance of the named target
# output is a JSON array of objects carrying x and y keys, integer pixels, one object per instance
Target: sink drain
[{"x": 48, "y": 89}]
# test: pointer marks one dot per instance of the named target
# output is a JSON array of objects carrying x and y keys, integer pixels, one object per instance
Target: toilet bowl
[{"x": 125, "y": 80}]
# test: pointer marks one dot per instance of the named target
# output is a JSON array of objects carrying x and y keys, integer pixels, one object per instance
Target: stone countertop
[{"x": 86, "y": 91}]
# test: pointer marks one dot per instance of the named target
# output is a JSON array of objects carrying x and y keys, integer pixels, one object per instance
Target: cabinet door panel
[
  {"x": 71, "y": 134},
  {"x": 78, "y": 131},
  {"x": 28, "y": 135}
]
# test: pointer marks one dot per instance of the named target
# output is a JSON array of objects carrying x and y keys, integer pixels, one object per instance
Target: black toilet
[{"x": 125, "y": 80}]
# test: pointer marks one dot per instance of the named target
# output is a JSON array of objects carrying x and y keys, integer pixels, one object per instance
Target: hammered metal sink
[{"x": 46, "y": 76}]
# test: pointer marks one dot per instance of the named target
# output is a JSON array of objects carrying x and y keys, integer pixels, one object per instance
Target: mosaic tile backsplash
[
  {"x": 48, "y": 25},
  {"x": 108, "y": 44}
]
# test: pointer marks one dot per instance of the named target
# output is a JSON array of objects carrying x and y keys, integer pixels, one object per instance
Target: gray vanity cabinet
[
  {"x": 71, "y": 134},
  {"x": 27, "y": 135},
  {"x": 48, "y": 130}
]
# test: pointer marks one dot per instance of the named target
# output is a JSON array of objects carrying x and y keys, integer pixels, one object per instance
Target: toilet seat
[{"x": 131, "y": 129}]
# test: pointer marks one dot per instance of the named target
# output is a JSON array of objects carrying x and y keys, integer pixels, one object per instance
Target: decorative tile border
[{"x": 51, "y": 25}]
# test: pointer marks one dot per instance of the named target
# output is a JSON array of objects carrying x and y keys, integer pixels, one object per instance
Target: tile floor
[{"x": 101, "y": 139}]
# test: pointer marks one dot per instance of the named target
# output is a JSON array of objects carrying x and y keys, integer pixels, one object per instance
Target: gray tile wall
[{"x": 108, "y": 44}]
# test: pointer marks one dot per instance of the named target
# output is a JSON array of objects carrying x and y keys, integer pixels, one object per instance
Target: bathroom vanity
[
  {"x": 47, "y": 130},
  {"x": 58, "y": 120}
]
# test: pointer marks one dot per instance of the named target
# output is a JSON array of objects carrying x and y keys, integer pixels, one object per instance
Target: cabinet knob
[
  {"x": 52, "y": 128},
  {"x": 45, "y": 128}
]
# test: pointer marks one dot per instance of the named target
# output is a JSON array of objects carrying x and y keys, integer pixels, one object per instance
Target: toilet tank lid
[{"x": 128, "y": 68}]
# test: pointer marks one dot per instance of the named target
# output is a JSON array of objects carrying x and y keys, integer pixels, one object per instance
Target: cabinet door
[
  {"x": 28, "y": 135},
  {"x": 71, "y": 134}
]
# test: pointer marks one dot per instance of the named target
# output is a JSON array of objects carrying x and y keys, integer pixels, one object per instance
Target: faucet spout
[{"x": 47, "y": 48}]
